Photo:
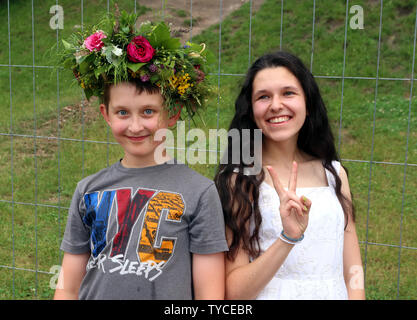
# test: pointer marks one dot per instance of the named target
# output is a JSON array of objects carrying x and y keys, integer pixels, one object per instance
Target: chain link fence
[{"x": 25, "y": 140}]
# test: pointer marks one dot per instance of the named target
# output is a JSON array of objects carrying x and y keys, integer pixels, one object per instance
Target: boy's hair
[
  {"x": 140, "y": 87},
  {"x": 315, "y": 138}
]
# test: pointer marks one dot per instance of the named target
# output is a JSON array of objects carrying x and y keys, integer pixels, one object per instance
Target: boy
[{"x": 141, "y": 229}]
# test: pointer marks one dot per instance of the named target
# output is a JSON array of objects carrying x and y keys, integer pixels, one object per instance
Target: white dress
[{"x": 314, "y": 268}]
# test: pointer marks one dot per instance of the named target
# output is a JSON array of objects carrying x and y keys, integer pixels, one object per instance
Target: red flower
[{"x": 140, "y": 50}]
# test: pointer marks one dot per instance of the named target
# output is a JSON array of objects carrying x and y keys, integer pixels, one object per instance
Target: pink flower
[
  {"x": 140, "y": 50},
  {"x": 153, "y": 68},
  {"x": 145, "y": 78},
  {"x": 94, "y": 42}
]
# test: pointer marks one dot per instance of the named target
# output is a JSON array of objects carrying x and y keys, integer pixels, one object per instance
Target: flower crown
[{"x": 113, "y": 51}]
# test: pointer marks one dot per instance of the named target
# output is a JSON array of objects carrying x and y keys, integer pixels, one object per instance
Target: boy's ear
[
  {"x": 173, "y": 119},
  {"x": 104, "y": 112}
]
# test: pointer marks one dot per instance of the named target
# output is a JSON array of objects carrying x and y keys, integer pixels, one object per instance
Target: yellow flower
[{"x": 180, "y": 82}]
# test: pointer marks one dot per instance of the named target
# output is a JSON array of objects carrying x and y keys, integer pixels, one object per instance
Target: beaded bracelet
[{"x": 289, "y": 240}]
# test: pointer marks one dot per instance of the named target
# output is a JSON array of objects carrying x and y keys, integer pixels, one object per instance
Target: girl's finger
[
  {"x": 294, "y": 205},
  {"x": 292, "y": 196},
  {"x": 306, "y": 202},
  {"x": 275, "y": 180},
  {"x": 292, "y": 184}
]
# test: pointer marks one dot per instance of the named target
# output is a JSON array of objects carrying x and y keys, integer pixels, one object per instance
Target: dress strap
[{"x": 330, "y": 178}]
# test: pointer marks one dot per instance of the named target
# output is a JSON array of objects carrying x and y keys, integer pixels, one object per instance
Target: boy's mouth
[{"x": 138, "y": 138}]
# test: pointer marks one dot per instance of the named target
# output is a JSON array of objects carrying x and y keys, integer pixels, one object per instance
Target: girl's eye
[
  {"x": 263, "y": 97},
  {"x": 148, "y": 112},
  {"x": 122, "y": 112},
  {"x": 288, "y": 93}
]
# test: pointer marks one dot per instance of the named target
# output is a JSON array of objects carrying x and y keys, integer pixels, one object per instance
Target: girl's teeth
[{"x": 279, "y": 119}]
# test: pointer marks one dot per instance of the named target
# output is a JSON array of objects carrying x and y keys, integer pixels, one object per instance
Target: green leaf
[
  {"x": 66, "y": 44},
  {"x": 68, "y": 63},
  {"x": 84, "y": 66},
  {"x": 86, "y": 62},
  {"x": 171, "y": 44},
  {"x": 159, "y": 35},
  {"x": 194, "y": 46},
  {"x": 99, "y": 71},
  {"x": 135, "y": 66}
]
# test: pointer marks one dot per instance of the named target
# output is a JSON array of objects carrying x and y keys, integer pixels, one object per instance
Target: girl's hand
[{"x": 294, "y": 210}]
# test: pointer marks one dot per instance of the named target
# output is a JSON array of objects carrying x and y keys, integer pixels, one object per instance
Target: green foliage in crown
[{"x": 115, "y": 50}]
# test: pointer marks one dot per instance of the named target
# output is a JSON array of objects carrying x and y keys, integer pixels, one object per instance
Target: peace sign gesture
[{"x": 294, "y": 210}]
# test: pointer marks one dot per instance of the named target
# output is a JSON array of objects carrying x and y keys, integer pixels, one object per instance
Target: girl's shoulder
[
  {"x": 311, "y": 164},
  {"x": 318, "y": 164},
  {"x": 316, "y": 172}
]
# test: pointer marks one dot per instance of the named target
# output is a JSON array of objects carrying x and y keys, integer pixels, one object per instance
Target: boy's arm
[
  {"x": 209, "y": 276},
  {"x": 72, "y": 273}
]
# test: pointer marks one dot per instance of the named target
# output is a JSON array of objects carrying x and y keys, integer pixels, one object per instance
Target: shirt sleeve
[
  {"x": 207, "y": 230},
  {"x": 77, "y": 235}
]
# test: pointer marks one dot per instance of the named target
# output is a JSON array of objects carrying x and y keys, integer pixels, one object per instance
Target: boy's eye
[
  {"x": 122, "y": 112},
  {"x": 148, "y": 112}
]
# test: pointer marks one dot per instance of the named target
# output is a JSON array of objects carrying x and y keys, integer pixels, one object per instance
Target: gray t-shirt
[{"x": 141, "y": 226}]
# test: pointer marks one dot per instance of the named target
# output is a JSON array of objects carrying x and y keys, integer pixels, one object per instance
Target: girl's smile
[{"x": 279, "y": 120}]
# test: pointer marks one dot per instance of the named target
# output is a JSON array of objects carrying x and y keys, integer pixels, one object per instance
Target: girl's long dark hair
[{"x": 239, "y": 193}]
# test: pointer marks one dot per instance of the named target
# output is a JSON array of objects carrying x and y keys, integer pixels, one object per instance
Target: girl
[{"x": 299, "y": 242}]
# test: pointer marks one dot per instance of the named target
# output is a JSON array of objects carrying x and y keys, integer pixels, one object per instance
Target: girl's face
[{"x": 278, "y": 102}]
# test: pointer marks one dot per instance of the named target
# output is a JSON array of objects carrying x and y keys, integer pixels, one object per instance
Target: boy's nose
[{"x": 136, "y": 125}]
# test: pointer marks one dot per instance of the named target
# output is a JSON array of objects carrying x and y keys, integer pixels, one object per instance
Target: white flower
[{"x": 117, "y": 51}]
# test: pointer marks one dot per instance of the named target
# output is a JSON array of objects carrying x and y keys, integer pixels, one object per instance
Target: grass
[{"x": 379, "y": 127}]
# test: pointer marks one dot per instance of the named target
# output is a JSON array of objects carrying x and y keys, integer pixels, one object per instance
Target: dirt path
[{"x": 204, "y": 13}]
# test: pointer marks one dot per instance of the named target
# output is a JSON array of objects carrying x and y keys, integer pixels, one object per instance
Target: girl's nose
[{"x": 276, "y": 103}]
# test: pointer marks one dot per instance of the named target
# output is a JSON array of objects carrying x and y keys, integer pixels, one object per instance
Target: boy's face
[{"x": 134, "y": 119}]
